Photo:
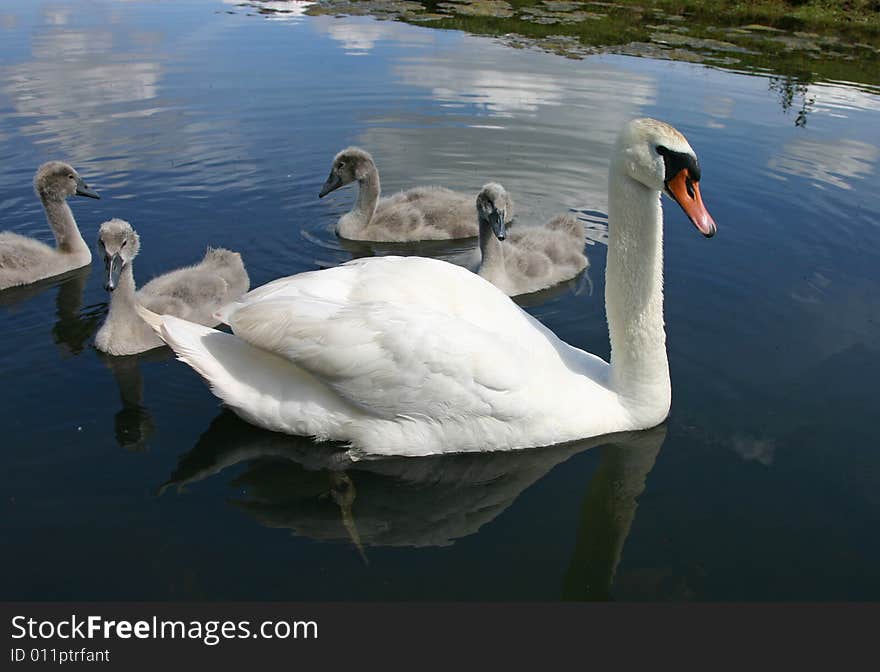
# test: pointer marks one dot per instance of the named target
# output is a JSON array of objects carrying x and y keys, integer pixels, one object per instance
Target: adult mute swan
[
  {"x": 421, "y": 213},
  {"x": 25, "y": 260},
  {"x": 414, "y": 356},
  {"x": 193, "y": 293},
  {"x": 531, "y": 258}
]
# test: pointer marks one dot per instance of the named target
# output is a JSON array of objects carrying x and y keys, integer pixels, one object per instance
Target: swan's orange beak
[{"x": 686, "y": 192}]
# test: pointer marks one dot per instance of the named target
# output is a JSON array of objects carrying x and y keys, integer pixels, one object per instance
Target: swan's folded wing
[
  {"x": 413, "y": 282},
  {"x": 392, "y": 361},
  {"x": 332, "y": 283}
]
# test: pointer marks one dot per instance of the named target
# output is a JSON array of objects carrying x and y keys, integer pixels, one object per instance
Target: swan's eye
[{"x": 661, "y": 150}]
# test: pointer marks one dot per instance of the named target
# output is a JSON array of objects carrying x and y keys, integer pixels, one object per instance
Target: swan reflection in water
[
  {"x": 75, "y": 328},
  {"x": 133, "y": 423},
  {"x": 316, "y": 491},
  {"x": 75, "y": 325}
]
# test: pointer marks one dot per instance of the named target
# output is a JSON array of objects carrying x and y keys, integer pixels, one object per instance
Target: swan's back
[
  {"x": 197, "y": 292},
  {"x": 423, "y": 213},
  {"x": 24, "y": 260}
]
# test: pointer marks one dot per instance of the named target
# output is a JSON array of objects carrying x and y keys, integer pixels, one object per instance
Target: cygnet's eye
[
  {"x": 340, "y": 166},
  {"x": 71, "y": 177},
  {"x": 124, "y": 243}
]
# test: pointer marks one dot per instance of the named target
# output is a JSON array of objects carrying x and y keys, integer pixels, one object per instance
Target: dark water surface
[{"x": 204, "y": 123}]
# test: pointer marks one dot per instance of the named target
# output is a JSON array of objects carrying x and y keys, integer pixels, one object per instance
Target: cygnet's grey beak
[
  {"x": 333, "y": 182},
  {"x": 496, "y": 219},
  {"x": 82, "y": 189},
  {"x": 113, "y": 267}
]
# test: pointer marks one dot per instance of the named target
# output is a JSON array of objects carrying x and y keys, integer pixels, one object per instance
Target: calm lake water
[{"x": 203, "y": 122}]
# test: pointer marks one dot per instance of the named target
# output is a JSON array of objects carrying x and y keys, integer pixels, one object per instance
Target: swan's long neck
[
  {"x": 68, "y": 239},
  {"x": 122, "y": 299},
  {"x": 634, "y": 297},
  {"x": 368, "y": 196},
  {"x": 492, "y": 256}
]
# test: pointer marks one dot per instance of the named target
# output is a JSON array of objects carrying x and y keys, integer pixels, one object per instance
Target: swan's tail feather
[
  {"x": 260, "y": 387},
  {"x": 154, "y": 320},
  {"x": 181, "y": 336},
  {"x": 186, "y": 339},
  {"x": 222, "y": 315}
]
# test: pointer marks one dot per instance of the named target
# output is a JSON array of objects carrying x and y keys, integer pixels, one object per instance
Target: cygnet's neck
[
  {"x": 634, "y": 297},
  {"x": 122, "y": 299},
  {"x": 368, "y": 196},
  {"x": 492, "y": 256},
  {"x": 68, "y": 239}
]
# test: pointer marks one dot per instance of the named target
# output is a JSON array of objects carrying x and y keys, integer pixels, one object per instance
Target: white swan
[
  {"x": 421, "y": 213},
  {"x": 413, "y": 356},
  {"x": 193, "y": 293},
  {"x": 25, "y": 260},
  {"x": 531, "y": 258}
]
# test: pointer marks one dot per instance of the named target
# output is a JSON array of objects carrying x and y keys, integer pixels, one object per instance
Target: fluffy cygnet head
[
  {"x": 56, "y": 181},
  {"x": 118, "y": 244},
  {"x": 658, "y": 156},
  {"x": 495, "y": 209},
  {"x": 349, "y": 165}
]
